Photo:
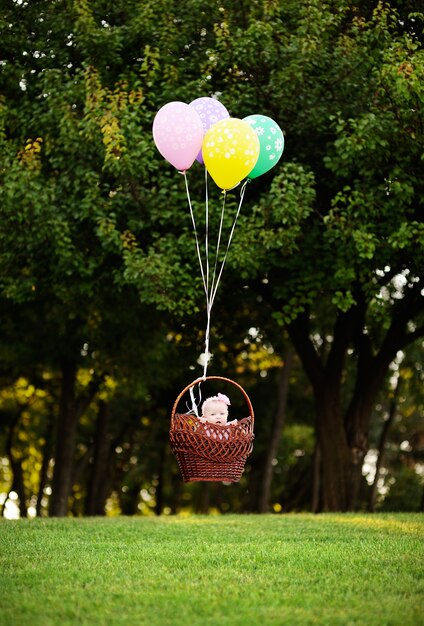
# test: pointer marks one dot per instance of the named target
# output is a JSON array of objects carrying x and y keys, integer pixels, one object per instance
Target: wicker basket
[{"x": 208, "y": 452}]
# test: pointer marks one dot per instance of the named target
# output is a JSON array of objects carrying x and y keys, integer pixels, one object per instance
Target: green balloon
[{"x": 271, "y": 143}]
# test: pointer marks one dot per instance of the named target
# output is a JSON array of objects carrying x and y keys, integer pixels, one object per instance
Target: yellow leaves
[
  {"x": 108, "y": 389},
  {"x": 257, "y": 358},
  {"x": 84, "y": 377},
  {"x": 29, "y": 391},
  {"x": 105, "y": 394},
  {"x": 359, "y": 23},
  {"x": 85, "y": 20},
  {"x": 83, "y": 8},
  {"x": 25, "y": 408},
  {"x": 105, "y": 109},
  {"x": 129, "y": 242},
  {"x": 113, "y": 139},
  {"x": 30, "y": 155},
  {"x": 174, "y": 337},
  {"x": 222, "y": 30},
  {"x": 95, "y": 94},
  {"x": 34, "y": 146},
  {"x": 110, "y": 383},
  {"x": 21, "y": 392},
  {"x": 106, "y": 226},
  {"x": 135, "y": 96},
  {"x": 151, "y": 62},
  {"x": 3, "y": 115},
  {"x": 171, "y": 74},
  {"x": 405, "y": 69}
]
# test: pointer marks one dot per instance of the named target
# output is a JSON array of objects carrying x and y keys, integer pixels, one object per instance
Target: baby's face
[{"x": 216, "y": 412}]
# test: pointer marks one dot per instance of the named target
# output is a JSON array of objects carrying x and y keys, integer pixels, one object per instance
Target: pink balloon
[
  {"x": 178, "y": 134},
  {"x": 210, "y": 111}
]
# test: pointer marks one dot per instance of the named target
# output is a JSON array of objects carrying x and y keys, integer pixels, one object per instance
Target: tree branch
[
  {"x": 411, "y": 337},
  {"x": 300, "y": 336},
  {"x": 84, "y": 400},
  {"x": 373, "y": 369},
  {"x": 397, "y": 337}
]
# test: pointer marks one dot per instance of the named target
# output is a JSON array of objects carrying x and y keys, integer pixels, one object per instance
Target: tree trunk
[
  {"x": 358, "y": 417},
  {"x": 203, "y": 503},
  {"x": 159, "y": 501},
  {"x": 99, "y": 479},
  {"x": 65, "y": 443},
  {"x": 18, "y": 484},
  {"x": 47, "y": 454},
  {"x": 70, "y": 410},
  {"x": 336, "y": 456},
  {"x": 382, "y": 444},
  {"x": 316, "y": 480},
  {"x": 78, "y": 478},
  {"x": 326, "y": 378},
  {"x": 275, "y": 438},
  {"x": 343, "y": 439},
  {"x": 175, "y": 496}
]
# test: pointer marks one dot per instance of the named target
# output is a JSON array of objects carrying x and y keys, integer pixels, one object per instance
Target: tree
[
  {"x": 62, "y": 249},
  {"x": 356, "y": 257},
  {"x": 331, "y": 241}
]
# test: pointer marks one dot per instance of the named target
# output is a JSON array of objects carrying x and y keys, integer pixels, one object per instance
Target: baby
[{"x": 215, "y": 410}]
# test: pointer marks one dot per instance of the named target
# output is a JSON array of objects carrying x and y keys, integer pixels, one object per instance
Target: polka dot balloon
[
  {"x": 178, "y": 134},
  {"x": 230, "y": 150},
  {"x": 210, "y": 111},
  {"x": 271, "y": 141}
]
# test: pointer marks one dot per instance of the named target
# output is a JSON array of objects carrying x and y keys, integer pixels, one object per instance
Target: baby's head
[{"x": 215, "y": 409}]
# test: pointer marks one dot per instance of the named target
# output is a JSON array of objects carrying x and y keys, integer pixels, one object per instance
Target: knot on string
[{"x": 206, "y": 357}]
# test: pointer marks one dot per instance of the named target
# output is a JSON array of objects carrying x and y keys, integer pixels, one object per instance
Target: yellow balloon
[{"x": 230, "y": 150}]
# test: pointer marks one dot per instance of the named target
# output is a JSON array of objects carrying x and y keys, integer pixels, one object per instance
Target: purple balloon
[{"x": 210, "y": 111}]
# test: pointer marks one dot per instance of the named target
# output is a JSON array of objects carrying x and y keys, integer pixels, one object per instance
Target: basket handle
[{"x": 227, "y": 380}]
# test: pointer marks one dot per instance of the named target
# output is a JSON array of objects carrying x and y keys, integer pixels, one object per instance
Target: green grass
[{"x": 212, "y": 571}]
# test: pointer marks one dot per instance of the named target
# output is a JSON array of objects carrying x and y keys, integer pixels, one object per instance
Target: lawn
[{"x": 232, "y": 570}]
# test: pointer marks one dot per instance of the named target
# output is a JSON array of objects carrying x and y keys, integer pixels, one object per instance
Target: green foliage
[
  {"x": 96, "y": 246},
  {"x": 405, "y": 493}
]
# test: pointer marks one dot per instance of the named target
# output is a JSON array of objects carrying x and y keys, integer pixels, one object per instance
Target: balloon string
[
  {"x": 242, "y": 192},
  {"x": 218, "y": 242},
  {"x": 209, "y": 301},
  {"x": 207, "y": 234},
  {"x": 195, "y": 234},
  {"x": 208, "y": 304},
  {"x": 214, "y": 287},
  {"x": 207, "y": 334},
  {"x": 194, "y": 404}
]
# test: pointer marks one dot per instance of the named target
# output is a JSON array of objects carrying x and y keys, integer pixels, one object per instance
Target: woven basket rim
[
  {"x": 225, "y": 379},
  {"x": 219, "y": 426}
]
